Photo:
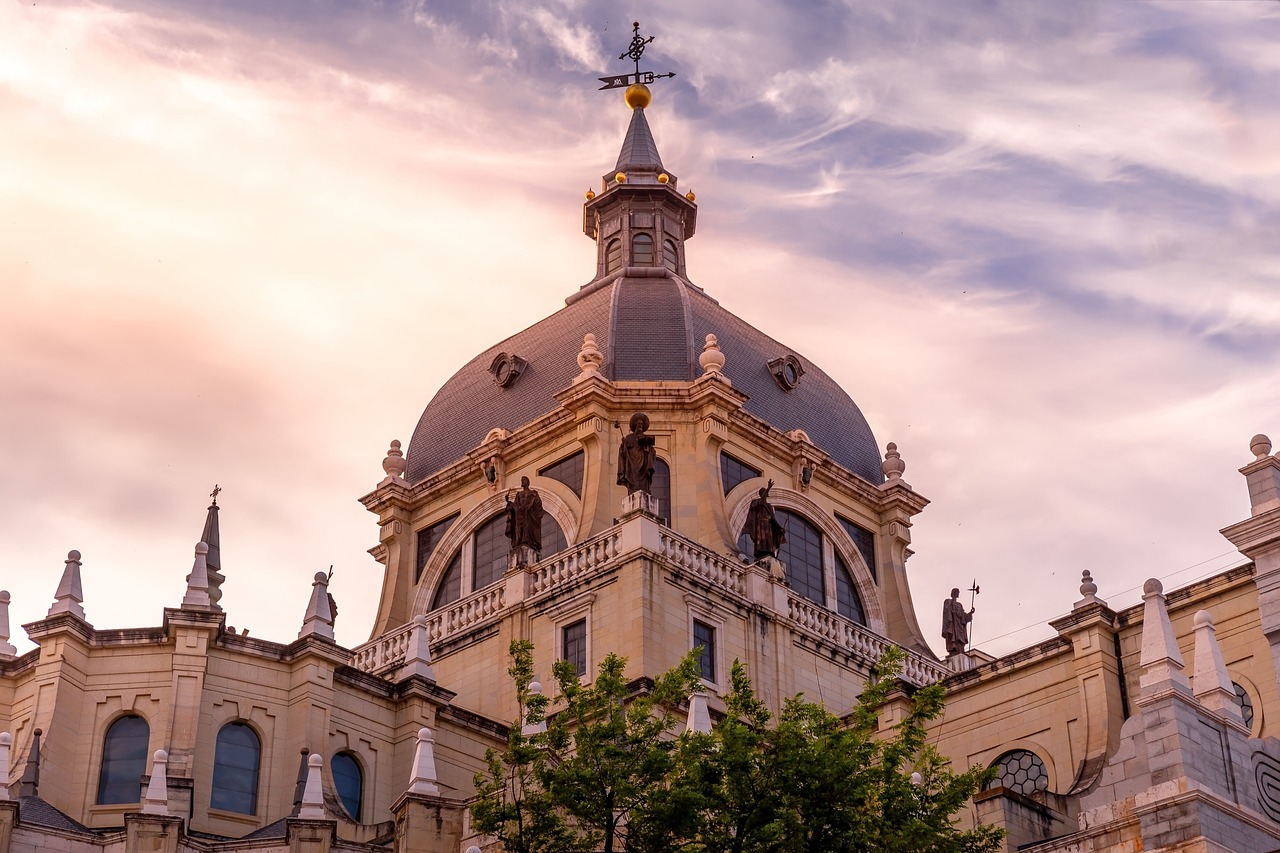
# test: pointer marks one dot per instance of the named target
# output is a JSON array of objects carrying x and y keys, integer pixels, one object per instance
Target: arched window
[
  {"x": 124, "y": 761},
  {"x": 489, "y": 552},
  {"x": 349, "y": 782},
  {"x": 661, "y": 488},
  {"x": 613, "y": 255},
  {"x": 236, "y": 758},
  {"x": 450, "y": 588},
  {"x": 848, "y": 603},
  {"x": 802, "y": 555},
  {"x": 1021, "y": 771},
  {"x": 642, "y": 250},
  {"x": 670, "y": 256}
]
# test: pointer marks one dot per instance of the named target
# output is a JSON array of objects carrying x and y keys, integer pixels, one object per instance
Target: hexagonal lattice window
[
  {"x": 1021, "y": 771},
  {"x": 1246, "y": 705}
]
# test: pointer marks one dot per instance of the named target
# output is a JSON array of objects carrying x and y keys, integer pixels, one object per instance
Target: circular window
[
  {"x": 1246, "y": 705},
  {"x": 1021, "y": 771}
]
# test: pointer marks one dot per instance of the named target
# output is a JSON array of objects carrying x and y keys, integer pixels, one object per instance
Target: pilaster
[
  {"x": 1091, "y": 628},
  {"x": 427, "y": 824},
  {"x": 191, "y": 632},
  {"x": 146, "y": 833}
]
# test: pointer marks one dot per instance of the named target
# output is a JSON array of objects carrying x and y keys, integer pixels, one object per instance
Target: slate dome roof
[{"x": 647, "y": 329}]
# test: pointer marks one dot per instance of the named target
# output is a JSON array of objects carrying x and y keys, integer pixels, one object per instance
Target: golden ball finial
[
  {"x": 590, "y": 194},
  {"x": 689, "y": 195},
  {"x": 620, "y": 178},
  {"x": 638, "y": 95},
  {"x": 664, "y": 178}
]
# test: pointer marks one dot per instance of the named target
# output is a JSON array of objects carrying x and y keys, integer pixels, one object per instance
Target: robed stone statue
[
  {"x": 955, "y": 623},
  {"x": 637, "y": 456},
  {"x": 767, "y": 535},
  {"x": 524, "y": 518}
]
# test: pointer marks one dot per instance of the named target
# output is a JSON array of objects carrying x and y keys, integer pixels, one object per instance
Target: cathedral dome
[
  {"x": 649, "y": 323},
  {"x": 649, "y": 329}
]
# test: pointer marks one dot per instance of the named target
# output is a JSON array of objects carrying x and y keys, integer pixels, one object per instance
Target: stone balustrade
[
  {"x": 703, "y": 563},
  {"x": 574, "y": 563},
  {"x": 833, "y": 629}
]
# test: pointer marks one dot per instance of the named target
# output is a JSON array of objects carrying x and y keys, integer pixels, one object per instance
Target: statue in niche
[
  {"x": 636, "y": 456},
  {"x": 767, "y": 534},
  {"x": 955, "y": 623},
  {"x": 524, "y": 518}
]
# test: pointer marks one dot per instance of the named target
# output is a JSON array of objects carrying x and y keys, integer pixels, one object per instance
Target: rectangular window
[
  {"x": 428, "y": 539},
  {"x": 573, "y": 645},
  {"x": 705, "y": 636}
]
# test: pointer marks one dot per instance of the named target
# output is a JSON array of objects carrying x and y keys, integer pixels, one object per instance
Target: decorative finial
[
  {"x": 1160, "y": 664},
  {"x": 1212, "y": 683},
  {"x": 590, "y": 358},
  {"x": 699, "y": 721},
  {"x": 1088, "y": 591},
  {"x": 530, "y": 729},
  {"x": 6, "y": 647},
  {"x": 214, "y": 494},
  {"x": 590, "y": 194},
  {"x": 637, "y": 95},
  {"x": 424, "y": 779},
  {"x": 893, "y": 466},
  {"x": 318, "y": 621},
  {"x": 313, "y": 793},
  {"x": 70, "y": 595},
  {"x": 712, "y": 359},
  {"x": 1261, "y": 446},
  {"x": 198, "y": 581},
  {"x": 664, "y": 178},
  {"x": 156, "y": 799},
  {"x": 417, "y": 656},
  {"x": 393, "y": 465},
  {"x": 689, "y": 195}
]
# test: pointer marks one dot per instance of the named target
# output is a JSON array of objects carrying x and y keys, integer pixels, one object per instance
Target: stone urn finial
[
  {"x": 893, "y": 466},
  {"x": 393, "y": 465},
  {"x": 1087, "y": 586},
  {"x": 589, "y": 357},
  {"x": 712, "y": 359},
  {"x": 1261, "y": 446}
]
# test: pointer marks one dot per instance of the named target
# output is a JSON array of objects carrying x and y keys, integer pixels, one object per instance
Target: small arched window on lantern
[
  {"x": 670, "y": 255},
  {"x": 642, "y": 250},
  {"x": 613, "y": 255}
]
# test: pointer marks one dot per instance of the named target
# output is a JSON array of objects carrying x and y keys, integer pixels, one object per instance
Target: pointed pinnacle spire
[
  {"x": 213, "y": 560},
  {"x": 639, "y": 151},
  {"x": 29, "y": 786}
]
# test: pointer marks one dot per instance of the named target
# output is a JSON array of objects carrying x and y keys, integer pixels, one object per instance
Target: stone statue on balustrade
[
  {"x": 955, "y": 623},
  {"x": 766, "y": 532},
  {"x": 637, "y": 456},
  {"x": 524, "y": 524}
]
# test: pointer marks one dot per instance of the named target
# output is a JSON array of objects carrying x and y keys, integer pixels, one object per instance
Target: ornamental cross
[
  {"x": 214, "y": 493},
  {"x": 634, "y": 51}
]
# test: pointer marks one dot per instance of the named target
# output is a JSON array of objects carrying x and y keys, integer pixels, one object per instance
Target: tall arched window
[
  {"x": 662, "y": 488},
  {"x": 848, "y": 602},
  {"x": 802, "y": 555},
  {"x": 613, "y": 255},
  {"x": 236, "y": 758},
  {"x": 124, "y": 761},
  {"x": 670, "y": 255},
  {"x": 450, "y": 588},
  {"x": 488, "y": 549},
  {"x": 348, "y": 779},
  {"x": 642, "y": 250}
]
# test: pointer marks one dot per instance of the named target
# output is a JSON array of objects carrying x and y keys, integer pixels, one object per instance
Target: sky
[{"x": 244, "y": 243}]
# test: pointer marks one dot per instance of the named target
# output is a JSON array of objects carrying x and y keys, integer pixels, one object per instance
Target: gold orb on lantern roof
[
  {"x": 638, "y": 95},
  {"x": 620, "y": 178},
  {"x": 689, "y": 195},
  {"x": 591, "y": 194},
  {"x": 663, "y": 178}
]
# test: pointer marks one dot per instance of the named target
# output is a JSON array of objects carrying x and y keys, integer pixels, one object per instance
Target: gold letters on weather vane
[{"x": 634, "y": 51}]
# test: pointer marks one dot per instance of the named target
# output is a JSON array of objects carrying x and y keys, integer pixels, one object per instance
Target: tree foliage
[{"x": 611, "y": 774}]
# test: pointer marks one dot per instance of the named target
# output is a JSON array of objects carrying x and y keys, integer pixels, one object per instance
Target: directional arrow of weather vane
[{"x": 633, "y": 52}]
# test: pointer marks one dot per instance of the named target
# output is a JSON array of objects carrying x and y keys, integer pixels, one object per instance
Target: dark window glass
[
  {"x": 670, "y": 256},
  {"x": 613, "y": 255},
  {"x": 705, "y": 636},
  {"x": 662, "y": 487},
  {"x": 1246, "y": 705},
  {"x": 491, "y": 550},
  {"x": 235, "y": 770},
  {"x": 349, "y": 782},
  {"x": 567, "y": 471},
  {"x": 734, "y": 473},
  {"x": 124, "y": 761},
  {"x": 428, "y": 539},
  {"x": 1021, "y": 771},
  {"x": 865, "y": 541},
  {"x": 450, "y": 588},
  {"x": 574, "y": 645},
  {"x": 642, "y": 250},
  {"x": 802, "y": 555},
  {"x": 553, "y": 541},
  {"x": 848, "y": 604}
]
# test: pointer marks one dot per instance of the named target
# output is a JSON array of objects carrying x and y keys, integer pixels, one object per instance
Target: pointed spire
[
  {"x": 639, "y": 151},
  {"x": 313, "y": 795},
  {"x": 301, "y": 786},
  {"x": 6, "y": 647},
  {"x": 70, "y": 595},
  {"x": 424, "y": 780},
  {"x": 417, "y": 657},
  {"x": 1212, "y": 684},
  {"x": 198, "y": 581},
  {"x": 156, "y": 800},
  {"x": 319, "y": 619},
  {"x": 699, "y": 716},
  {"x": 213, "y": 560},
  {"x": 30, "y": 784},
  {"x": 1161, "y": 661},
  {"x": 6, "y": 742}
]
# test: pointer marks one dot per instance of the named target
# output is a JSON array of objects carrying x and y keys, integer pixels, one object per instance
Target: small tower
[{"x": 213, "y": 559}]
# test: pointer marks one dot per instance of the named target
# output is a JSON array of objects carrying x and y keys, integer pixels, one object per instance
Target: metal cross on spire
[
  {"x": 214, "y": 493},
  {"x": 633, "y": 52}
]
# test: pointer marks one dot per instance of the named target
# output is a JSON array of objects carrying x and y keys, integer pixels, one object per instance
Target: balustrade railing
[
  {"x": 703, "y": 563},
  {"x": 854, "y": 638}
]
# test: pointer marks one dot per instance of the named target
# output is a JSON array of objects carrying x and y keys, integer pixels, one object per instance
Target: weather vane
[
  {"x": 633, "y": 52},
  {"x": 214, "y": 493}
]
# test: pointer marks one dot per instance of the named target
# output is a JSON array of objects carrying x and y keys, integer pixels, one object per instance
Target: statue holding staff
[
  {"x": 767, "y": 534},
  {"x": 955, "y": 623},
  {"x": 636, "y": 456},
  {"x": 524, "y": 518}
]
